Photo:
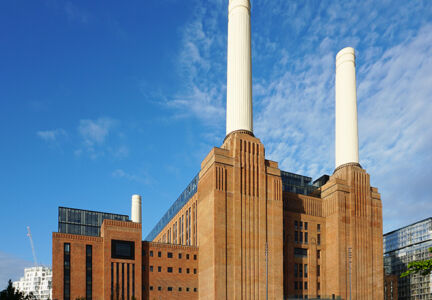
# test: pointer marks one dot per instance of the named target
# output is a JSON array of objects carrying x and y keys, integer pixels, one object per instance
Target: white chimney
[
  {"x": 346, "y": 149},
  {"x": 239, "y": 68},
  {"x": 136, "y": 209}
]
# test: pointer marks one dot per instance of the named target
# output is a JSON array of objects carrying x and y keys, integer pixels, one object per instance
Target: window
[
  {"x": 187, "y": 256},
  {"x": 180, "y": 289},
  {"x": 195, "y": 257},
  {"x": 195, "y": 271},
  {"x": 301, "y": 237},
  {"x": 151, "y": 268},
  {"x": 318, "y": 253},
  {"x": 319, "y": 239},
  {"x": 66, "y": 271},
  {"x": 318, "y": 270},
  {"x": 151, "y": 253},
  {"x": 122, "y": 249},
  {"x": 301, "y": 225},
  {"x": 159, "y": 254},
  {"x": 295, "y": 270},
  {"x": 169, "y": 289},
  {"x": 306, "y": 237},
  {"x": 169, "y": 269},
  {"x": 300, "y": 285},
  {"x": 295, "y": 225},
  {"x": 296, "y": 236},
  {"x": 187, "y": 289},
  {"x": 305, "y": 270},
  {"x": 318, "y": 286},
  {"x": 306, "y": 225},
  {"x": 159, "y": 288},
  {"x": 195, "y": 290},
  {"x": 159, "y": 269},
  {"x": 151, "y": 288},
  {"x": 180, "y": 255},
  {"x": 187, "y": 270},
  {"x": 305, "y": 286},
  {"x": 318, "y": 227},
  {"x": 169, "y": 255},
  {"x": 89, "y": 272},
  {"x": 180, "y": 270},
  {"x": 300, "y": 270},
  {"x": 295, "y": 285}
]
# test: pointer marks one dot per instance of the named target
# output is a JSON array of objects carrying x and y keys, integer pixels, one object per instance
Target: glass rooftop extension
[
  {"x": 184, "y": 197},
  {"x": 84, "y": 222},
  {"x": 291, "y": 182},
  {"x": 296, "y": 183}
]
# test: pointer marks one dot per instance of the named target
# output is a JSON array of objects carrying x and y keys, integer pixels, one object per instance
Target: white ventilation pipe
[
  {"x": 136, "y": 209},
  {"x": 346, "y": 149},
  {"x": 239, "y": 68}
]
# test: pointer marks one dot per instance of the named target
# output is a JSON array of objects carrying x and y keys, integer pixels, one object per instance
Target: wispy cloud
[
  {"x": 74, "y": 13},
  {"x": 11, "y": 267},
  {"x": 142, "y": 177},
  {"x": 51, "y": 135},
  {"x": 95, "y": 132}
]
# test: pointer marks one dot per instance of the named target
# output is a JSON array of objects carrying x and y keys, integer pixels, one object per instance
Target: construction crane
[{"x": 32, "y": 245}]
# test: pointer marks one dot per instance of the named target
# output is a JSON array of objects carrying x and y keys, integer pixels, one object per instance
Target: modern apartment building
[
  {"x": 402, "y": 246},
  {"x": 257, "y": 232},
  {"x": 36, "y": 280}
]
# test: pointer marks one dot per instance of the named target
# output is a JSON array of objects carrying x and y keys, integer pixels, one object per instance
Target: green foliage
[
  {"x": 10, "y": 293},
  {"x": 423, "y": 267}
]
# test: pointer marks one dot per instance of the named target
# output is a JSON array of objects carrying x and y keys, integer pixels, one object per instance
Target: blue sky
[{"x": 101, "y": 100}]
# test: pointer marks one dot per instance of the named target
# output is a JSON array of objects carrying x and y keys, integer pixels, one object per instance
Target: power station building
[{"x": 243, "y": 228}]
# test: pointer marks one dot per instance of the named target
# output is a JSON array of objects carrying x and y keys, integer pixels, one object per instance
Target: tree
[
  {"x": 424, "y": 267},
  {"x": 10, "y": 293}
]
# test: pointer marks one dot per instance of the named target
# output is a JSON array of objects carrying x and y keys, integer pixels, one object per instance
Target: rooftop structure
[
  {"x": 36, "y": 280},
  {"x": 84, "y": 222}
]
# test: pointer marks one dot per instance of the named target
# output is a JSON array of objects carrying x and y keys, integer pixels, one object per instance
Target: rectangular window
[
  {"x": 180, "y": 255},
  {"x": 169, "y": 269},
  {"x": 122, "y": 249},
  {"x": 318, "y": 227},
  {"x": 301, "y": 225},
  {"x": 122, "y": 293},
  {"x": 295, "y": 270},
  {"x": 133, "y": 280},
  {"x": 151, "y": 253},
  {"x": 295, "y": 225},
  {"x": 195, "y": 257},
  {"x": 127, "y": 281},
  {"x": 305, "y": 286},
  {"x": 306, "y": 237},
  {"x": 187, "y": 256},
  {"x": 300, "y": 285},
  {"x": 187, "y": 270},
  {"x": 180, "y": 270},
  {"x": 296, "y": 236},
  {"x": 306, "y": 225},
  {"x": 159, "y": 254},
  {"x": 169, "y": 255},
  {"x": 112, "y": 281},
  {"x": 300, "y": 252},
  {"x": 195, "y": 271},
  {"x": 295, "y": 285},
  {"x": 318, "y": 270},
  {"x": 300, "y": 270},
  {"x": 169, "y": 289},
  {"x": 159, "y": 269},
  {"x": 301, "y": 237},
  {"x": 305, "y": 270},
  {"x": 318, "y": 253},
  {"x": 151, "y": 288},
  {"x": 195, "y": 290},
  {"x": 89, "y": 272},
  {"x": 319, "y": 239},
  {"x": 159, "y": 288},
  {"x": 151, "y": 268},
  {"x": 318, "y": 286},
  {"x": 66, "y": 271}
]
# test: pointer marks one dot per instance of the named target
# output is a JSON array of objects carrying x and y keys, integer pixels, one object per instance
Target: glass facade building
[
  {"x": 402, "y": 246},
  {"x": 295, "y": 183},
  {"x": 84, "y": 222}
]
